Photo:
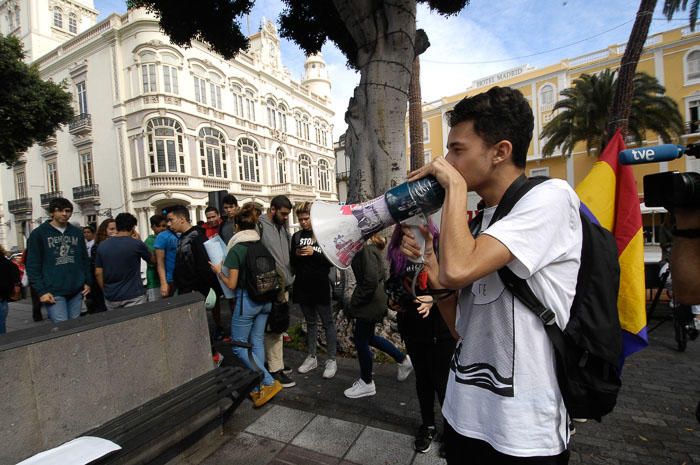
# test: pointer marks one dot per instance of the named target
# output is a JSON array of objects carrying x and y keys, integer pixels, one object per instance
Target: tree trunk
[
  {"x": 622, "y": 101},
  {"x": 415, "y": 104},
  {"x": 375, "y": 140}
]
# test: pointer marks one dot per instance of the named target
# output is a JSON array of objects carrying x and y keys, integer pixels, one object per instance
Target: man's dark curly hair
[{"x": 501, "y": 113}]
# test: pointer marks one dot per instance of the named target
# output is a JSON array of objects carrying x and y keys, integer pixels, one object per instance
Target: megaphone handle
[{"x": 418, "y": 235}]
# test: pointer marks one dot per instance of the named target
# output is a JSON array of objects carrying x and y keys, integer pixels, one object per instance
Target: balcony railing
[
  {"x": 343, "y": 175},
  {"x": 20, "y": 205},
  {"x": 86, "y": 192},
  {"x": 80, "y": 124},
  {"x": 49, "y": 196},
  {"x": 692, "y": 127}
]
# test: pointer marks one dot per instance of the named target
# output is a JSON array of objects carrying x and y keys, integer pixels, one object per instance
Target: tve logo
[
  {"x": 643, "y": 155},
  {"x": 657, "y": 153}
]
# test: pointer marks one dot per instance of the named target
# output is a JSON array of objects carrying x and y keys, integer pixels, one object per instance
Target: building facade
[
  {"x": 673, "y": 57},
  {"x": 159, "y": 125}
]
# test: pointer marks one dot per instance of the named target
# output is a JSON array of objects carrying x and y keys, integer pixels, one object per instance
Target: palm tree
[
  {"x": 585, "y": 108},
  {"x": 621, "y": 107}
]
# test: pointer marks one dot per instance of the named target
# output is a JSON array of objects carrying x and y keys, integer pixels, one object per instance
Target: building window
[
  {"x": 282, "y": 118},
  {"x": 57, "y": 17},
  {"x": 248, "y": 163},
  {"x": 317, "y": 134},
  {"x": 324, "y": 136},
  {"x": 693, "y": 65},
  {"x": 51, "y": 176},
  {"x": 81, "y": 90},
  {"x": 238, "y": 101},
  {"x": 215, "y": 94},
  {"x": 427, "y": 157},
  {"x": 170, "y": 79},
  {"x": 250, "y": 105},
  {"x": 212, "y": 153},
  {"x": 281, "y": 166},
  {"x": 271, "y": 114},
  {"x": 323, "y": 178},
  {"x": 165, "y": 145},
  {"x": 426, "y": 132},
  {"x": 305, "y": 128},
  {"x": 547, "y": 95},
  {"x": 539, "y": 171},
  {"x": 87, "y": 176},
  {"x": 300, "y": 131},
  {"x": 20, "y": 184},
  {"x": 17, "y": 24},
  {"x": 11, "y": 21},
  {"x": 304, "y": 170},
  {"x": 200, "y": 90},
  {"x": 72, "y": 23},
  {"x": 148, "y": 74},
  {"x": 694, "y": 114}
]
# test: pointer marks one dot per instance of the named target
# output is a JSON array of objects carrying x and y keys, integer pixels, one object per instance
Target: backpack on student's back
[
  {"x": 588, "y": 351},
  {"x": 262, "y": 281}
]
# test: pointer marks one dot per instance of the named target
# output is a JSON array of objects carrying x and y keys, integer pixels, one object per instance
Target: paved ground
[{"x": 313, "y": 423}]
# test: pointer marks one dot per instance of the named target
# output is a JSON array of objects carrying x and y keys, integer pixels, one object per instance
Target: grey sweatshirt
[{"x": 278, "y": 242}]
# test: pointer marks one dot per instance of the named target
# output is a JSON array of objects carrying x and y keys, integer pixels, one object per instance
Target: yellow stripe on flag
[
  {"x": 632, "y": 292},
  {"x": 597, "y": 192}
]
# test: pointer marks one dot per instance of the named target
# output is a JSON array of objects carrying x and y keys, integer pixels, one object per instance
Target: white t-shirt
[{"x": 502, "y": 386}]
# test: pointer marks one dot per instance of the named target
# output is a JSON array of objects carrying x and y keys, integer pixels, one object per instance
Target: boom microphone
[
  {"x": 657, "y": 153},
  {"x": 342, "y": 231}
]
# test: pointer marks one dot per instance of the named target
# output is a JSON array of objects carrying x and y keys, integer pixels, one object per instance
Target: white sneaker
[
  {"x": 309, "y": 364},
  {"x": 360, "y": 389},
  {"x": 331, "y": 368},
  {"x": 405, "y": 369}
]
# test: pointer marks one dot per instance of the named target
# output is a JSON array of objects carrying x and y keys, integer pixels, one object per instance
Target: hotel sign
[{"x": 503, "y": 75}]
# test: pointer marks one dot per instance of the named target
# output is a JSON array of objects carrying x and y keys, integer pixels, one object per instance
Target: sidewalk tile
[
  {"x": 245, "y": 449},
  {"x": 292, "y": 455},
  {"x": 380, "y": 447},
  {"x": 431, "y": 457},
  {"x": 280, "y": 423},
  {"x": 328, "y": 436}
]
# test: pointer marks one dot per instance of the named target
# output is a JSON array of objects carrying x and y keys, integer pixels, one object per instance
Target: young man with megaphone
[{"x": 502, "y": 402}]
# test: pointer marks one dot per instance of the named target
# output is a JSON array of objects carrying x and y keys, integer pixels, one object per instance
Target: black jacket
[
  {"x": 311, "y": 285},
  {"x": 192, "y": 271},
  {"x": 368, "y": 301},
  {"x": 9, "y": 277},
  {"x": 412, "y": 326}
]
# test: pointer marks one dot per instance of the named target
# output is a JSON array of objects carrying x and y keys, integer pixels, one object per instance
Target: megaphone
[{"x": 341, "y": 231}]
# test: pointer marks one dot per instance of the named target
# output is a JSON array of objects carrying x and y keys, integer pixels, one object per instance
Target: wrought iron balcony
[
  {"x": 22, "y": 205},
  {"x": 81, "y": 124},
  {"x": 83, "y": 193},
  {"x": 49, "y": 196},
  {"x": 342, "y": 176}
]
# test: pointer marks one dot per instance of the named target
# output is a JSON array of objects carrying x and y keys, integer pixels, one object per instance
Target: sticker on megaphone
[{"x": 342, "y": 231}]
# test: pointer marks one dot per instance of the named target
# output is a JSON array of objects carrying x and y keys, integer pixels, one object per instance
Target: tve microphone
[{"x": 655, "y": 154}]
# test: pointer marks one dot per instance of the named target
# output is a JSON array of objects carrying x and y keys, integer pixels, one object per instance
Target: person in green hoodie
[{"x": 58, "y": 265}]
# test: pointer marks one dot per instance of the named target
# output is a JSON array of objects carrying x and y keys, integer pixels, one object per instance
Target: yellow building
[{"x": 673, "y": 57}]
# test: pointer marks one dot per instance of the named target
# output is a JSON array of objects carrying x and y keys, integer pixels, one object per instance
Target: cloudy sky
[{"x": 481, "y": 40}]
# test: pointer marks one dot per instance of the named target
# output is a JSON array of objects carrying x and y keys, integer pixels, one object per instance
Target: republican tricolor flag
[{"x": 609, "y": 197}]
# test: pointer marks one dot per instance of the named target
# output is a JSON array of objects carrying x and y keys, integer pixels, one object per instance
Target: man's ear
[{"x": 504, "y": 151}]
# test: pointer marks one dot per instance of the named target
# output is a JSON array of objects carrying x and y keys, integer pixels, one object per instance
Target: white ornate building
[{"x": 159, "y": 124}]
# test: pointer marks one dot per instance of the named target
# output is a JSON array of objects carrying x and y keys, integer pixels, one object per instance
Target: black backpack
[
  {"x": 262, "y": 281},
  {"x": 588, "y": 351}
]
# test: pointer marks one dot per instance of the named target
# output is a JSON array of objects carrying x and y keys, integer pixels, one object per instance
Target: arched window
[
  {"x": 281, "y": 166},
  {"x": 237, "y": 100},
  {"x": 248, "y": 163},
  {"x": 212, "y": 153},
  {"x": 58, "y": 17},
  {"x": 693, "y": 65},
  {"x": 546, "y": 95},
  {"x": 72, "y": 23},
  {"x": 323, "y": 181},
  {"x": 304, "y": 170},
  {"x": 305, "y": 127},
  {"x": 317, "y": 133},
  {"x": 271, "y": 114},
  {"x": 165, "y": 145}
]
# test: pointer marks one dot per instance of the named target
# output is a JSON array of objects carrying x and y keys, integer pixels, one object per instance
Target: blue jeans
[
  {"x": 65, "y": 308},
  {"x": 365, "y": 337},
  {"x": 3, "y": 316},
  {"x": 248, "y": 320}
]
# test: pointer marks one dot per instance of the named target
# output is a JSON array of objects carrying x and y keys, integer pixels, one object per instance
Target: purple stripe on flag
[
  {"x": 589, "y": 214},
  {"x": 632, "y": 343}
]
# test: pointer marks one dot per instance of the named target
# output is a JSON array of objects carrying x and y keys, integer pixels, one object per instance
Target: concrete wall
[{"x": 58, "y": 382}]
